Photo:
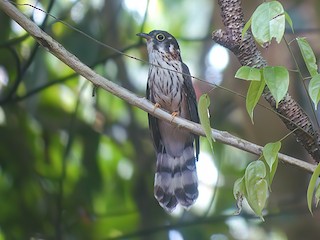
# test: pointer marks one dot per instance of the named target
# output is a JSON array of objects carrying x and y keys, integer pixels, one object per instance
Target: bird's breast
[{"x": 166, "y": 84}]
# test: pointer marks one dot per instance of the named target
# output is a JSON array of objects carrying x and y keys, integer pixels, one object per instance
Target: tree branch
[
  {"x": 73, "y": 62},
  {"x": 248, "y": 55}
]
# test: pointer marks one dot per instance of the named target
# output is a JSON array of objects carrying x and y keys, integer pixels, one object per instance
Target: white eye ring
[{"x": 160, "y": 37}]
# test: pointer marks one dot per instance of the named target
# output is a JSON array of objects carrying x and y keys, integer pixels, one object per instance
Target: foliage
[
  {"x": 311, "y": 187},
  {"x": 268, "y": 22},
  {"x": 276, "y": 78},
  {"x": 310, "y": 61},
  {"x": 257, "y": 180},
  {"x": 203, "y": 109}
]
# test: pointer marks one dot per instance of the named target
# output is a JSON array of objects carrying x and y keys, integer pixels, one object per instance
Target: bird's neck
[{"x": 163, "y": 59}]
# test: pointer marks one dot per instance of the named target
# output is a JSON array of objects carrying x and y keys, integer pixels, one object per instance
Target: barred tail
[{"x": 176, "y": 180}]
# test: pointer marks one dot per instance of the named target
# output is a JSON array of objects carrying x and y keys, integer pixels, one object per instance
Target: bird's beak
[{"x": 144, "y": 35}]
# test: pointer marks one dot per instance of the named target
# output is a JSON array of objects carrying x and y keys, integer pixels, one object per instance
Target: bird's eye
[{"x": 160, "y": 37}]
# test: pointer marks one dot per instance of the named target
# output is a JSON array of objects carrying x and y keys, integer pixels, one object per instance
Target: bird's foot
[
  {"x": 156, "y": 105},
  {"x": 174, "y": 114}
]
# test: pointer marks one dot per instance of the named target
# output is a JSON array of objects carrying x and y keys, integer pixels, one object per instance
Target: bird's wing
[
  {"x": 192, "y": 101},
  {"x": 153, "y": 123}
]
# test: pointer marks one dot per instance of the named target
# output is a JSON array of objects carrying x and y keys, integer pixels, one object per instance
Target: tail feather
[{"x": 176, "y": 180}]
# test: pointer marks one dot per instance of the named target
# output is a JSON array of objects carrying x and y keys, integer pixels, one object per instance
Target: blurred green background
[{"x": 78, "y": 163}]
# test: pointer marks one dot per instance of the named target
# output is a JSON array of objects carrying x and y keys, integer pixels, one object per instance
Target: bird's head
[{"x": 162, "y": 42}]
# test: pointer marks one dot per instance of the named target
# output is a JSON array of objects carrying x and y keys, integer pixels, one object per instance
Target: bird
[{"x": 170, "y": 87}]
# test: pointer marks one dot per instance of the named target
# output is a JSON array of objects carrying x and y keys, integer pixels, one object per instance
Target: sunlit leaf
[
  {"x": 256, "y": 186},
  {"x": 248, "y": 73},
  {"x": 314, "y": 90},
  {"x": 245, "y": 28},
  {"x": 289, "y": 20},
  {"x": 277, "y": 80},
  {"x": 311, "y": 187},
  {"x": 203, "y": 105},
  {"x": 253, "y": 95},
  {"x": 270, "y": 153},
  {"x": 308, "y": 56},
  {"x": 273, "y": 171},
  {"x": 268, "y": 21}
]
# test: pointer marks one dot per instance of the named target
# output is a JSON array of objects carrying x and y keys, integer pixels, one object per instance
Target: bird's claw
[
  {"x": 156, "y": 105},
  {"x": 174, "y": 114}
]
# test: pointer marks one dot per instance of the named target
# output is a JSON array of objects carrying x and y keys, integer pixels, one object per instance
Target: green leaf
[
  {"x": 317, "y": 195},
  {"x": 273, "y": 171},
  {"x": 256, "y": 186},
  {"x": 268, "y": 21},
  {"x": 253, "y": 95},
  {"x": 289, "y": 20},
  {"x": 248, "y": 73},
  {"x": 246, "y": 27},
  {"x": 314, "y": 90},
  {"x": 239, "y": 192},
  {"x": 270, "y": 153},
  {"x": 203, "y": 105},
  {"x": 312, "y": 185},
  {"x": 308, "y": 56},
  {"x": 239, "y": 187},
  {"x": 277, "y": 80}
]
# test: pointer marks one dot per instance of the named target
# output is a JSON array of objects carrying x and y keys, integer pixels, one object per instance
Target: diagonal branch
[
  {"x": 73, "y": 62},
  {"x": 248, "y": 55}
]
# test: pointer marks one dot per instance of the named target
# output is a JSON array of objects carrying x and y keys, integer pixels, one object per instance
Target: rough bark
[{"x": 292, "y": 115}]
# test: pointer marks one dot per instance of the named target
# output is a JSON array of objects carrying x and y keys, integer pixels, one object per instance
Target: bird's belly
[
  {"x": 174, "y": 138},
  {"x": 169, "y": 103}
]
